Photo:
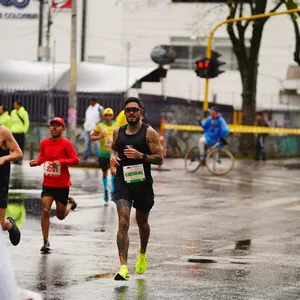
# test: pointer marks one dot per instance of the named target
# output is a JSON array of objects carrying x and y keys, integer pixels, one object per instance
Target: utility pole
[
  {"x": 47, "y": 58},
  {"x": 49, "y": 23},
  {"x": 41, "y": 20},
  {"x": 72, "y": 107},
  {"x": 128, "y": 47},
  {"x": 83, "y": 30}
]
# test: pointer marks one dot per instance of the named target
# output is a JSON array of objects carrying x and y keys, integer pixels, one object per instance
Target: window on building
[{"x": 187, "y": 51}]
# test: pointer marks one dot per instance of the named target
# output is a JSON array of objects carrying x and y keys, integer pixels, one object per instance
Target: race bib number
[
  {"x": 134, "y": 173},
  {"x": 51, "y": 170},
  {"x": 108, "y": 142}
]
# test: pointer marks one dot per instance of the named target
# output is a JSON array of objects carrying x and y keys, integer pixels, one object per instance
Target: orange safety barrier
[{"x": 162, "y": 131}]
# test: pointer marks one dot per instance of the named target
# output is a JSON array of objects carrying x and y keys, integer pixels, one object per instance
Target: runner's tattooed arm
[
  {"x": 156, "y": 157},
  {"x": 114, "y": 159}
]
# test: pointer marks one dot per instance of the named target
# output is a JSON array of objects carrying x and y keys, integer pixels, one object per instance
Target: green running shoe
[
  {"x": 141, "y": 264},
  {"x": 123, "y": 273}
]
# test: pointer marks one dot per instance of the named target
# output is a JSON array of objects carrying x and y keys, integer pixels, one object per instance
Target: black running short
[
  {"x": 58, "y": 194},
  {"x": 104, "y": 163},
  {"x": 3, "y": 196},
  {"x": 140, "y": 195}
]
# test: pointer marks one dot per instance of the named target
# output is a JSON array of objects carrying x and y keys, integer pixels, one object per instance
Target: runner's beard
[
  {"x": 55, "y": 135},
  {"x": 133, "y": 123}
]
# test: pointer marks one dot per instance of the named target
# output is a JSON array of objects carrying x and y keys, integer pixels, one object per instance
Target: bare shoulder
[
  {"x": 116, "y": 132},
  {"x": 115, "y": 139},
  {"x": 5, "y": 134},
  {"x": 4, "y": 130},
  {"x": 152, "y": 135}
]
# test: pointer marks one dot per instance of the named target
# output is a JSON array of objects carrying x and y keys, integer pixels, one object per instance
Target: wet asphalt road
[{"x": 230, "y": 237}]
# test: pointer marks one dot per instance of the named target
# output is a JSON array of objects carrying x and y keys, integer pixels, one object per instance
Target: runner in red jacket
[{"x": 57, "y": 154}]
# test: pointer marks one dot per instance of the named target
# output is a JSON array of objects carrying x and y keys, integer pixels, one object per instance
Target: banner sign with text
[{"x": 62, "y": 4}]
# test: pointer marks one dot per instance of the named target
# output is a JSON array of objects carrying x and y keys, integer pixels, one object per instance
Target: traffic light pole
[{"x": 209, "y": 44}]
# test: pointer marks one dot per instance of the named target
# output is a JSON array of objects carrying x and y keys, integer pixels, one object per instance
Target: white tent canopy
[{"x": 91, "y": 77}]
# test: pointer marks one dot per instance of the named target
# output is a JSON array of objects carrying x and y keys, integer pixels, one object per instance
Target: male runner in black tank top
[
  {"x": 135, "y": 147},
  {"x": 9, "y": 151}
]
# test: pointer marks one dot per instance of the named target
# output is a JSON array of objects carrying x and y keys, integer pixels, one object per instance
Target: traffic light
[
  {"x": 209, "y": 68},
  {"x": 215, "y": 64},
  {"x": 202, "y": 67}
]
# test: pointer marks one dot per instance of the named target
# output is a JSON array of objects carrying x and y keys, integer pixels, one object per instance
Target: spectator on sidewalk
[
  {"x": 19, "y": 124},
  {"x": 5, "y": 117},
  {"x": 260, "y": 138},
  {"x": 170, "y": 138},
  {"x": 93, "y": 115}
]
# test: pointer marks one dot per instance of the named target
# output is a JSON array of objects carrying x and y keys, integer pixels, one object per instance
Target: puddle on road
[
  {"x": 18, "y": 182},
  {"x": 242, "y": 248},
  {"x": 239, "y": 263},
  {"x": 202, "y": 260},
  {"x": 243, "y": 245},
  {"x": 22, "y": 206}
]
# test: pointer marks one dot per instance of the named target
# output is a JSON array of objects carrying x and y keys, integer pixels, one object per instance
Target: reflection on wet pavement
[
  {"x": 137, "y": 292},
  {"x": 26, "y": 203}
]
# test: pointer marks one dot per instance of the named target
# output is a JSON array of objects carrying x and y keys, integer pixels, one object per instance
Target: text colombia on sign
[{"x": 15, "y": 3}]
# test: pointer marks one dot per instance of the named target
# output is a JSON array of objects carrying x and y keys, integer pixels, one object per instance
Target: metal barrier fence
[
  {"x": 183, "y": 111},
  {"x": 38, "y": 103}
]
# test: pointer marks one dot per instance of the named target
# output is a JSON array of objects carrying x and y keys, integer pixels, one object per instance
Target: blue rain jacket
[{"x": 214, "y": 129}]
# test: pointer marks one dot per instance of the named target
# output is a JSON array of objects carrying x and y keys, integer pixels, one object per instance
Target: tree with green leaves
[{"x": 248, "y": 58}]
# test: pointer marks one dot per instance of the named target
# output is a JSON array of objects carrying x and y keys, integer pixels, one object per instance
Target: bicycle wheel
[
  {"x": 192, "y": 160},
  {"x": 219, "y": 161}
]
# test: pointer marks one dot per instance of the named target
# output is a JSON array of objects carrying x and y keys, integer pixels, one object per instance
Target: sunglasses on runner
[
  {"x": 132, "y": 109},
  {"x": 107, "y": 115}
]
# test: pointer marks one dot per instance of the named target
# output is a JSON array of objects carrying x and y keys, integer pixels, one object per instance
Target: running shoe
[
  {"x": 14, "y": 232},
  {"x": 106, "y": 199},
  {"x": 141, "y": 264},
  {"x": 123, "y": 273},
  {"x": 74, "y": 203},
  {"x": 46, "y": 246}
]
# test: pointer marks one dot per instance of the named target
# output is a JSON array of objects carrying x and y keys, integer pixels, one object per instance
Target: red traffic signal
[
  {"x": 202, "y": 67},
  {"x": 209, "y": 68},
  {"x": 203, "y": 64}
]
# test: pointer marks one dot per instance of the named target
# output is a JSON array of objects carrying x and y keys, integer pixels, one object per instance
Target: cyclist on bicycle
[{"x": 215, "y": 129}]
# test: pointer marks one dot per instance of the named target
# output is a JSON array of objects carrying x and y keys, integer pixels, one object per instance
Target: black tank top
[
  {"x": 136, "y": 141},
  {"x": 5, "y": 168}
]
